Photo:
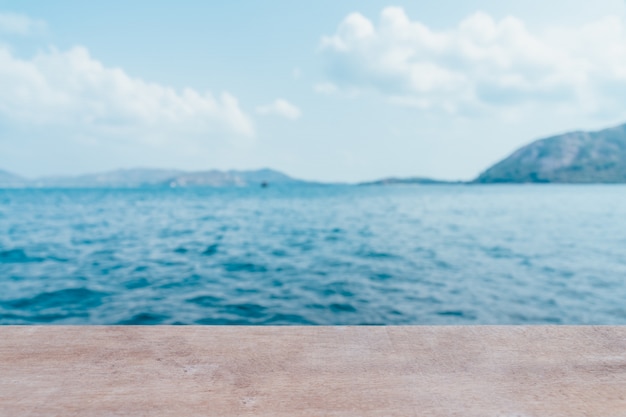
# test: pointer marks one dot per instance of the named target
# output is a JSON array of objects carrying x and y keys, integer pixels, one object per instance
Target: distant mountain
[
  {"x": 131, "y": 178},
  {"x": 576, "y": 157},
  {"x": 121, "y": 178},
  {"x": 414, "y": 180},
  {"x": 8, "y": 179},
  {"x": 231, "y": 178}
]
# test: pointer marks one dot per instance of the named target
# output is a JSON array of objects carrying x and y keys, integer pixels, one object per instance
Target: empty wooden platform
[{"x": 313, "y": 371}]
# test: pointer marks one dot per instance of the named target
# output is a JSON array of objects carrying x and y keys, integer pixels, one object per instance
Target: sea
[{"x": 315, "y": 255}]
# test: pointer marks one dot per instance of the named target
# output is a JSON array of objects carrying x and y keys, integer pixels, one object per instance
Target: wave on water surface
[{"x": 448, "y": 254}]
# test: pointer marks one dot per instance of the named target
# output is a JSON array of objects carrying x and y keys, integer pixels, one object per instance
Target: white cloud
[
  {"x": 73, "y": 91},
  {"x": 479, "y": 64},
  {"x": 19, "y": 24},
  {"x": 280, "y": 107}
]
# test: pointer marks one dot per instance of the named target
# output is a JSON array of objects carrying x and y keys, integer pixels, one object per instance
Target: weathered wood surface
[{"x": 313, "y": 371}]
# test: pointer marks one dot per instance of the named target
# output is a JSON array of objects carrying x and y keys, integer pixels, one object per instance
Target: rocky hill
[{"x": 576, "y": 157}]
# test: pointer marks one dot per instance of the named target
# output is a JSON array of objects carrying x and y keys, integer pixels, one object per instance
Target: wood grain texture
[{"x": 313, "y": 371}]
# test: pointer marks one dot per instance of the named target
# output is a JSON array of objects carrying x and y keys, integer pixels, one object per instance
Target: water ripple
[{"x": 314, "y": 255}]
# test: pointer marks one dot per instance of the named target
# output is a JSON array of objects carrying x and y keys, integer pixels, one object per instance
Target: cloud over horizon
[
  {"x": 480, "y": 64},
  {"x": 280, "y": 107},
  {"x": 72, "y": 91}
]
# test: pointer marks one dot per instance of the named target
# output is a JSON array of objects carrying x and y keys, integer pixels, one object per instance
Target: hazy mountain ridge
[
  {"x": 575, "y": 157},
  {"x": 408, "y": 181},
  {"x": 120, "y": 178},
  {"x": 139, "y": 177},
  {"x": 233, "y": 178},
  {"x": 8, "y": 179}
]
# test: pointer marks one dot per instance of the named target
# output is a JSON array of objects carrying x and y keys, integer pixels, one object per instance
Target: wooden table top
[{"x": 464, "y": 371}]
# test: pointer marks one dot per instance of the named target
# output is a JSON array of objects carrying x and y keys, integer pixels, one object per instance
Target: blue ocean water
[{"x": 450, "y": 254}]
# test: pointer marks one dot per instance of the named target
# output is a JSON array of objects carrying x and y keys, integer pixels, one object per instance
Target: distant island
[
  {"x": 133, "y": 178},
  {"x": 408, "y": 181},
  {"x": 10, "y": 180},
  {"x": 575, "y": 157}
]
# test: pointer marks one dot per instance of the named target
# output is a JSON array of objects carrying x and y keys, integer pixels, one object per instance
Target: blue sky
[{"x": 325, "y": 90}]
